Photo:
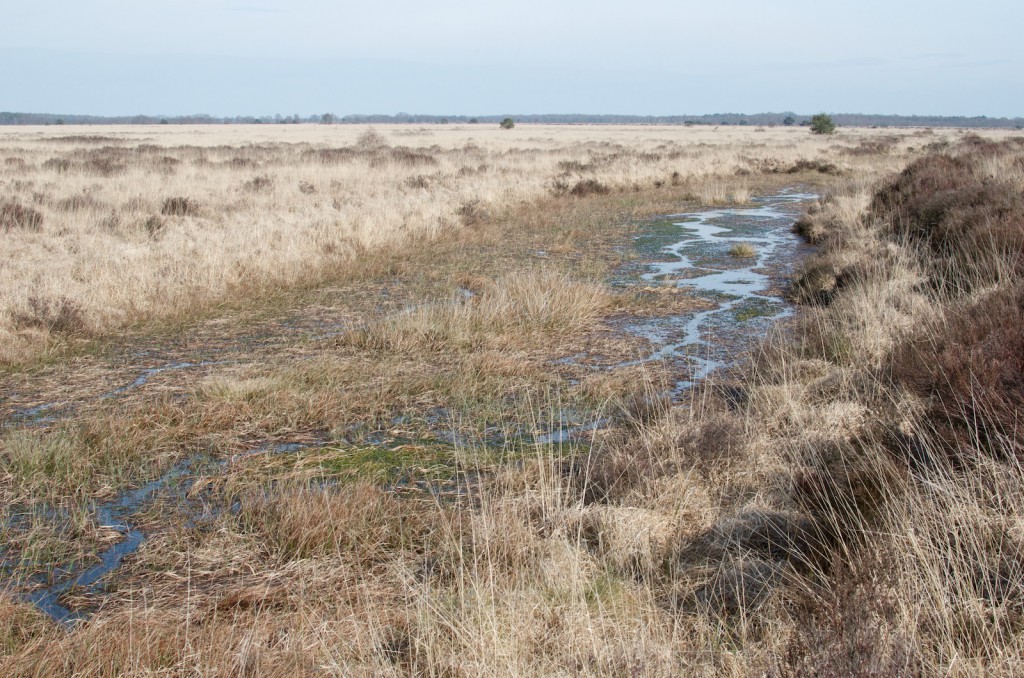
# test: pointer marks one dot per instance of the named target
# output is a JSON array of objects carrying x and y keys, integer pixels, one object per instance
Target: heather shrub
[
  {"x": 588, "y": 187},
  {"x": 179, "y": 207},
  {"x": 258, "y": 184},
  {"x": 970, "y": 368},
  {"x": 15, "y": 216},
  {"x": 968, "y": 220},
  {"x": 55, "y": 315}
]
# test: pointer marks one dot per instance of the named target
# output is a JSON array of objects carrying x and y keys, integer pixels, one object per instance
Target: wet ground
[
  {"x": 736, "y": 260},
  {"x": 718, "y": 302}
]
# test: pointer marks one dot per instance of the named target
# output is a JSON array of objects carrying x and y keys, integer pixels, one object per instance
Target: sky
[{"x": 645, "y": 57}]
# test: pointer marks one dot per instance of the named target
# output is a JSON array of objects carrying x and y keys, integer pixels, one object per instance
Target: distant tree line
[{"x": 760, "y": 119}]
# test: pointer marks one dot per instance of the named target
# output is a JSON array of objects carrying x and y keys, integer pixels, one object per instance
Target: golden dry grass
[
  {"x": 806, "y": 521},
  {"x": 134, "y": 223}
]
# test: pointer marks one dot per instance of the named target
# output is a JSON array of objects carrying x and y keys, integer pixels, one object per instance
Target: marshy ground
[{"x": 435, "y": 401}]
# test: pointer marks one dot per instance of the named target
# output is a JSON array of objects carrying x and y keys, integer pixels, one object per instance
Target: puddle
[
  {"x": 39, "y": 415},
  {"x": 112, "y": 515},
  {"x": 691, "y": 251},
  {"x": 143, "y": 378},
  {"x": 564, "y": 435},
  {"x": 49, "y": 413},
  {"x": 48, "y": 593}
]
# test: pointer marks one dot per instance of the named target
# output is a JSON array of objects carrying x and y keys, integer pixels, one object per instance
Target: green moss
[{"x": 755, "y": 308}]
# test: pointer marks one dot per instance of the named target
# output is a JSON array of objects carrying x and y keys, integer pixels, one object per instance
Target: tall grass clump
[
  {"x": 515, "y": 305},
  {"x": 14, "y": 216}
]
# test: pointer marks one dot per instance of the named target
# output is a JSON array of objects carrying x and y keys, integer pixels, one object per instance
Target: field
[{"x": 310, "y": 399}]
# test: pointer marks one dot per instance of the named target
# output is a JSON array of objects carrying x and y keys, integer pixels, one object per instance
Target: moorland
[{"x": 284, "y": 400}]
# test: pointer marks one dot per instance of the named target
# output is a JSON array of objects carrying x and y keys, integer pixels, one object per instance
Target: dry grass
[
  {"x": 166, "y": 221},
  {"x": 743, "y": 250},
  {"x": 851, "y": 507}
]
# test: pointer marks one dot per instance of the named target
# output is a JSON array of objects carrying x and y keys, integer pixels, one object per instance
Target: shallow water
[
  {"x": 742, "y": 288},
  {"x": 146, "y": 375},
  {"x": 114, "y": 515},
  {"x": 49, "y": 413}
]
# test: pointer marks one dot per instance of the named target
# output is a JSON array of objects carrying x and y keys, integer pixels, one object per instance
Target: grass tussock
[
  {"x": 14, "y": 216},
  {"x": 516, "y": 305},
  {"x": 743, "y": 250}
]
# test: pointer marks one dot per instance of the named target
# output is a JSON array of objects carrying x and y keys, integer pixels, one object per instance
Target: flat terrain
[{"x": 329, "y": 399}]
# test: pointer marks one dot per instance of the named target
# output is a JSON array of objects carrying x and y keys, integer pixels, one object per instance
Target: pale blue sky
[{"x": 260, "y": 57}]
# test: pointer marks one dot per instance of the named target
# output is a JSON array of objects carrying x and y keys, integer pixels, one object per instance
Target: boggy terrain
[{"x": 448, "y": 453}]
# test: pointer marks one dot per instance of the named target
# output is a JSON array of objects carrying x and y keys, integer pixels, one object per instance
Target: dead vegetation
[
  {"x": 851, "y": 506},
  {"x": 257, "y": 212}
]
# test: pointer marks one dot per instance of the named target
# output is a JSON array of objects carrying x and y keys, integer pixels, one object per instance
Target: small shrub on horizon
[
  {"x": 507, "y": 123},
  {"x": 822, "y": 124},
  {"x": 371, "y": 139}
]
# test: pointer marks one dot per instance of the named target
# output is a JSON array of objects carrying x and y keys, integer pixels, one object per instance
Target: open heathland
[{"x": 328, "y": 399}]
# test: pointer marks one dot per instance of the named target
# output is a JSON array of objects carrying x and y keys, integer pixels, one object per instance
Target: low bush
[
  {"x": 54, "y": 315},
  {"x": 15, "y": 216},
  {"x": 820, "y": 166},
  {"x": 809, "y": 228},
  {"x": 588, "y": 187},
  {"x": 179, "y": 207},
  {"x": 970, "y": 368},
  {"x": 472, "y": 213},
  {"x": 59, "y": 165},
  {"x": 153, "y": 225},
  {"x": 970, "y": 221},
  {"x": 76, "y": 203},
  {"x": 258, "y": 184}
]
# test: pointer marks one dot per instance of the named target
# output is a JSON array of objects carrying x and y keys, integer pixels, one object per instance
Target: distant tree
[
  {"x": 822, "y": 124},
  {"x": 473, "y": 121},
  {"x": 165, "y": 121},
  {"x": 788, "y": 121},
  {"x": 60, "y": 121},
  {"x": 327, "y": 118},
  {"x": 444, "y": 121},
  {"x": 508, "y": 123}
]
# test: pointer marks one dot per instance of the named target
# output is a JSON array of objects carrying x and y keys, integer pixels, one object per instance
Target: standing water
[{"x": 735, "y": 258}]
